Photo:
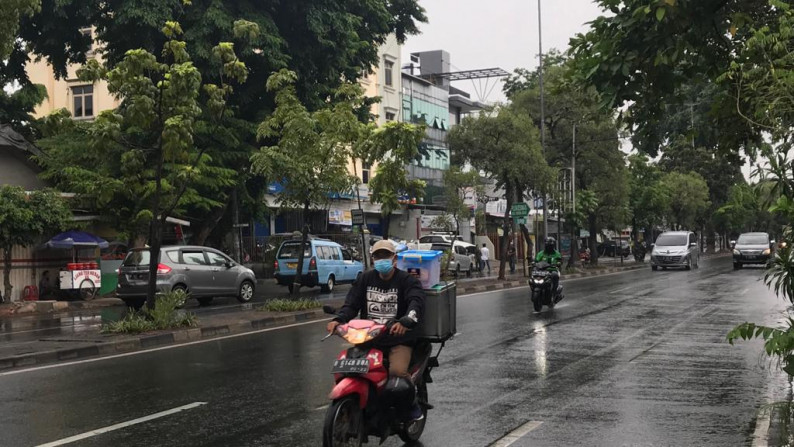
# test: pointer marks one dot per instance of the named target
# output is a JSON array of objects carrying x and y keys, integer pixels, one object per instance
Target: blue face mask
[{"x": 383, "y": 266}]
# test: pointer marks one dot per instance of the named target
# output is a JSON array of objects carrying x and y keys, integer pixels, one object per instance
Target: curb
[{"x": 153, "y": 340}]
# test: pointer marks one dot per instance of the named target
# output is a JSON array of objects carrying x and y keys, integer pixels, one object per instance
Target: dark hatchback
[{"x": 752, "y": 248}]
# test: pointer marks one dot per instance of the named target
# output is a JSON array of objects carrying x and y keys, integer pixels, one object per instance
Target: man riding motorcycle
[
  {"x": 387, "y": 294},
  {"x": 553, "y": 257}
]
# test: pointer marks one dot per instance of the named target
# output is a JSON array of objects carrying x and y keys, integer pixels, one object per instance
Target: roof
[{"x": 16, "y": 164}]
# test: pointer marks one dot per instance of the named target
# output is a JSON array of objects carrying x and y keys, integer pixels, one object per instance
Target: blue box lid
[{"x": 420, "y": 255}]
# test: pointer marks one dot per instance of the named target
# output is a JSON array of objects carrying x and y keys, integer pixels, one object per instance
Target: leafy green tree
[
  {"x": 152, "y": 132},
  {"x": 600, "y": 164},
  {"x": 392, "y": 147},
  {"x": 326, "y": 44},
  {"x": 504, "y": 145},
  {"x": 24, "y": 218},
  {"x": 456, "y": 184},
  {"x": 648, "y": 200},
  {"x": 689, "y": 199},
  {"x": 307, "y": 152}
]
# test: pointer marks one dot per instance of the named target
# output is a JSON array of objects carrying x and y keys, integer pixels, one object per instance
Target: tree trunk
[
  {"x": 574, "y": 247},
  {"x": 711, "y": 241},
  {"x": 209, "y": 224},
  {"x": 6, "y": 274},
  {"x": 155, "y": 235},
  {"x": 386, "y": 223},
  {"x": 509, "y": 192},
  {"x": 593, "y": 242},
  {"x": 296, "y": 284}
]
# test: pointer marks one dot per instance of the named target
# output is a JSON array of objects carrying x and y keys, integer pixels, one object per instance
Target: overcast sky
[{"x": 497, "y": 33}]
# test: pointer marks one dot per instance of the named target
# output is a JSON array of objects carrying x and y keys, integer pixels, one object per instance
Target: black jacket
[{"x": 373, "y": 298}]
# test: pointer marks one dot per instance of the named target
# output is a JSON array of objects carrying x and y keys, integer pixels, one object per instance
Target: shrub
[
  {"x": 287, "y": 305},
  {"x": 164, "y": 316}
]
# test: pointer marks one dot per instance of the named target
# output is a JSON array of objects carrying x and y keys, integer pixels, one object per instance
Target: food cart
[{"x": 80, "y": 277}]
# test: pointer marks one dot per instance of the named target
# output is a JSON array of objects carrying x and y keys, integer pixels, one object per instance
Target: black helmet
[{"x": 551, "y": 243}]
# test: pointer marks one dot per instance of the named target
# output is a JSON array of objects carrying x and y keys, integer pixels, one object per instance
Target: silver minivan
[
  {"x": 676, "y": 249},
  {"x": 203, "y": 272}
]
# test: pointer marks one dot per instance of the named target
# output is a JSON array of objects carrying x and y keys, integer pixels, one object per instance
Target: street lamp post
[{"x": 542, "y": 119}]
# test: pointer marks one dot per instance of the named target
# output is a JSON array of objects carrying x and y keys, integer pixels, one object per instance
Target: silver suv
[
  {"x": 675, "y": 249},
  {"x": 203, "y": 272}
]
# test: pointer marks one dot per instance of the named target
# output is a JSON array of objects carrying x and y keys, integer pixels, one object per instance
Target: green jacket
[{"x": 554, "y": 258}]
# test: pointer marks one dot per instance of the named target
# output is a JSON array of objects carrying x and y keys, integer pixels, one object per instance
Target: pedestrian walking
[
  {"x": 485, "y": 256},
  {"x": 511, "y": 256}
]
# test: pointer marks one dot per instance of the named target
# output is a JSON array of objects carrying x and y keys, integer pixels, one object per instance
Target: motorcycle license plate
[{"x": 359, "y": 366}]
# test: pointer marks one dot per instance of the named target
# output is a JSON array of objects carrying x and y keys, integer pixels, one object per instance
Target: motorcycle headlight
[
  {"x": 767, "y": 251},
  {"x": 737, "y": 252}
]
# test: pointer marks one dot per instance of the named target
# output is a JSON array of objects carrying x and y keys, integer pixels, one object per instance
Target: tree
[
  {"x": 153, "y": 129},
  {"x": 24, "y": 218},
  {"x": 392, "y": 147},
  {"x": 457, "y": 184},
  {"x": 689, "y": 198},
  {"x": 648, "y": 200},
  {"x": 326, "y": 44},
  {"x": 307, "y": 152},
  {"x": 600, "y": 165},
  {"x": 504, "y": 145}
]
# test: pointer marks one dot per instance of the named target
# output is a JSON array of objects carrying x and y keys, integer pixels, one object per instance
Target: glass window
[
  {"x": 336, "y": 255},
  {"x": 289, "y": 250},
  {"x": 217, "y": 259},
  {"x": 193, "y": 258},
  {"x": 346, "y": 255},
  {"x": 390, "y": 116},
  {"x": 388, "y": 68},
  {"x": 83, "y": 101},
  {"x": 136, "y": 258},
  {"x": 173, "y": 256},
  {"x": 671, "y": 240},
  {"x": 752, "y": 239}
]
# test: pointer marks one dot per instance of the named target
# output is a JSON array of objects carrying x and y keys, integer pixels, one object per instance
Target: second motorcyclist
[{"x": 553, "y": 257}]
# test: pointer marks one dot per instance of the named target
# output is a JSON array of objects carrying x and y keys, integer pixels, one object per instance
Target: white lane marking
[
  {"x": 162, "y": 348},
  {"x": 619, "y": 290},
  {"x": 516, "y": 434},
  {"x": 322, "y": 408},
  {"x": 762, "y": 423},
  {"x": 99, "y": 431}
]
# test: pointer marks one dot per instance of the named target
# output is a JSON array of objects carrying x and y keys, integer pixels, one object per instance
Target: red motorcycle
[{"x": 361, "y": 404}]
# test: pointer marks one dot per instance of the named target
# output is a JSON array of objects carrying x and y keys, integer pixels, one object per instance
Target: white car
[{"x": 675, "y": 249}]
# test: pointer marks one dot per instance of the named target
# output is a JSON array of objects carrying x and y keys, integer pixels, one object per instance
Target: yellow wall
[{"x": 59, "y": 92}]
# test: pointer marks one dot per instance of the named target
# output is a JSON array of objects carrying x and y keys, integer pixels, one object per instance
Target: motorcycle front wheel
[
  {"x": 342, "y": 426},
  {"x": 537, "y": 301}
]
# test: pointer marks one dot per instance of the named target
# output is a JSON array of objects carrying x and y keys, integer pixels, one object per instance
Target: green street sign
[
  {"x": 519, "y": 209},
  {"x": 520, "y": 220}
]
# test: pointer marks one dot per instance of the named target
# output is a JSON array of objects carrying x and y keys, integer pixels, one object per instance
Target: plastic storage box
[
  {"x": 424, "y": 264},
  {"x": 440, "y": 319}
]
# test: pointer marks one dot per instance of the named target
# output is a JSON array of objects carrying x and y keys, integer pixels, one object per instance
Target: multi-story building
[{"x": 84, "y": 100}]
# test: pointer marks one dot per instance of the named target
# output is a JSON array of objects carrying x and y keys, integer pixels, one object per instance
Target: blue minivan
[{"x": 325, "y": 264}]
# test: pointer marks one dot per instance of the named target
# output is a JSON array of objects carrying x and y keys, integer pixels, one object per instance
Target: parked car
[
  {"x": 202, "y": 272},
  {"x": 752, "y": 248},
  {"x": 462, "y": 260},
  {"x": 439, "y": 238},
  {"x": 675, "y": 249},
  {"x": 325, "y": 264},
  {"x": 610, "y": 248}
]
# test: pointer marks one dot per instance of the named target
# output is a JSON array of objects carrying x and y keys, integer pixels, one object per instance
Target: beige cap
[{"x": 384, "y": 244}]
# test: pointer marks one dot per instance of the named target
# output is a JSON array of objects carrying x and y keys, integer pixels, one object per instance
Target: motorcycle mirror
[{"x": 331, "y": 310}]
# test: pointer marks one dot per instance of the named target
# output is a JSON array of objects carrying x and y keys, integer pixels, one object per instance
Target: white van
[
  {"x": 463, "y": 255},
  {"x": 675, "y": 249}
]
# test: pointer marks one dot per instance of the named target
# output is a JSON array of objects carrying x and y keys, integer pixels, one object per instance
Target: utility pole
[
  {"x": 574, "y": 229},
  {"x": 542, "y": 120}
]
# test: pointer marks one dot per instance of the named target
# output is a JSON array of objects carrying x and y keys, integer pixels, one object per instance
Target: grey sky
[{"x": 498, "y": 33}]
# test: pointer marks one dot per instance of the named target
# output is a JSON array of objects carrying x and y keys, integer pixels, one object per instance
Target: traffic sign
[
  {"x": 519, "y": 209},
  {"x": 520, "y": 220},
  {"x": 357, "y": 216}
]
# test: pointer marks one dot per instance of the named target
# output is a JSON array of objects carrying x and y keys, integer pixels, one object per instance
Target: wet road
[{"x": 636, "y": 358}]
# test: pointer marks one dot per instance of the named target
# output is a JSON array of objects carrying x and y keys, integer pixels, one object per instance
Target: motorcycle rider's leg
[
  {"x": 399, "y": 361},
  {"x": 555, "y": 281}
]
